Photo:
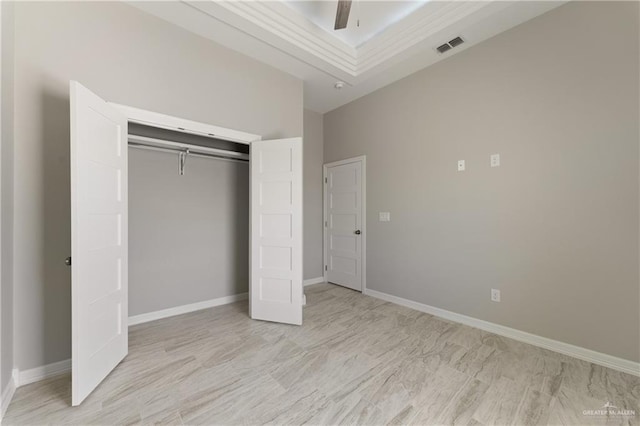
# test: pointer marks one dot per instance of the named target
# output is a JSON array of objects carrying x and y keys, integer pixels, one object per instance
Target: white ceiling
[
  {"x": 295, "y": 39},
  {"x": 366, "y": 19}
]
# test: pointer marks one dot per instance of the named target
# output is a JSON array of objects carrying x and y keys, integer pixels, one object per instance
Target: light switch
[
  {"x": 385, "y": 217},
  {"x": 461, "y": 165},
  {"x": 495, "y": 160}
]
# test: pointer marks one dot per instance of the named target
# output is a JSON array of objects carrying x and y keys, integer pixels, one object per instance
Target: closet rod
[
  {"x": 191, "y": 153},
  {"x": 171, "y": 146}
]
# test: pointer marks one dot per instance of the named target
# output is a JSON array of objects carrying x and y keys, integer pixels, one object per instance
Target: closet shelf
[{"x": 145, "y": 142}]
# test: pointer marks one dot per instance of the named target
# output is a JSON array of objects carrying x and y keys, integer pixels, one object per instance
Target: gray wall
[
  {"x": 313, "y": 154},
  {"x": 6, "y": 195},
  {"x": 188, "y": 235},
  {"x": 127, "y": 57},
  {"x": 555, "y": 228}
]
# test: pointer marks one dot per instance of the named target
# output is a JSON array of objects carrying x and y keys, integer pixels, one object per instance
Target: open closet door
[
  {"x": 98, "y": 240},
  {"x": 275, "y": 287}
]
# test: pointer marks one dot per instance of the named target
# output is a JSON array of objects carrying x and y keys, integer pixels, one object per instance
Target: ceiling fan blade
[{"x": 342, "y": 14}]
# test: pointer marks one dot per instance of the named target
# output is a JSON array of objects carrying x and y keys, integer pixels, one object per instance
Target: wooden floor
[{"x": 356, "y": 360}]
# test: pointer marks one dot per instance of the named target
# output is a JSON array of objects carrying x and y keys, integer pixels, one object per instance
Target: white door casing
[
  {"x": 99, "y": 216},
  {"x": 344, "y": 223},
  {"x": 275, "y": 288},
  {"x": 99, "y": 246}
]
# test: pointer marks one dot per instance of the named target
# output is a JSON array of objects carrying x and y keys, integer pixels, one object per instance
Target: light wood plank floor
[{"x": 356, "y": 360}]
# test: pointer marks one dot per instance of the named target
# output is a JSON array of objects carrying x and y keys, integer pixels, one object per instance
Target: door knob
[
  {"x": 67, "y": 261},
  {"x": 358, "y": 232}
]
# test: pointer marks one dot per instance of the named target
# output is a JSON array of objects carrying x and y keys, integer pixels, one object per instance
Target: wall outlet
[
  {"x": 384, "y": 217},
  {"x": 495, "y": 295},
  {"x": 495, "y": 160},
  {"x": 461, "y": 165}
]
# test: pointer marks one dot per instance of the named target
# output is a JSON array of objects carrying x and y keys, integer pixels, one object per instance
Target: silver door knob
[
  {"x": 67, "y": 261},
  {"x": 358, "y": 232}
]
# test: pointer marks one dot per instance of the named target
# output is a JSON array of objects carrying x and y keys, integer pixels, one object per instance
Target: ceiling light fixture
[{"x": 339, "y": 85}]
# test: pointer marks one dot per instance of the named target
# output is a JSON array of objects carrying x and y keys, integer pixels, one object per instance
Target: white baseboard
[
  {"x": 312, "y": 281},
  {"x": 50, "y": 370},
  {"x": 584, "y": 354},
  {"x": 184, "y": 309},
  {"x": 7, "y": 395},
  {"x": 43, "y": 372}
]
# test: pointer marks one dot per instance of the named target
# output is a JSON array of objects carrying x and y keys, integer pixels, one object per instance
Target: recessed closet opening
[
  {"x": 188, "y": 219},
  {"x": 167, "y": 217}
]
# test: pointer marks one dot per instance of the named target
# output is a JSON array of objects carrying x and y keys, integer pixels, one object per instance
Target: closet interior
[{"x": 188, "y": 218}]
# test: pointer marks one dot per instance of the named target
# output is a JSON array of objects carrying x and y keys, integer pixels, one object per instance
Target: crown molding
[
  {"x": 284, "y": 28},
  {"x": 289, "y": 24},
  {"x": 277, "y": 35},
  {"x": 426, "y": 22}
]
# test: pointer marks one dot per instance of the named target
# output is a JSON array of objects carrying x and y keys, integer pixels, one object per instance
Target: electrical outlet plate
[
  {"x": 495, "y": 160},
  {"x": 495, "y": 295},
  {"x": 384, "y": 217},
  {"x": 461, "y": 165}
]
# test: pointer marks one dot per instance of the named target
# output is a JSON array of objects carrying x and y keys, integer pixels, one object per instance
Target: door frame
[
  {"x": 169, "y": 122},
  {"x": 159, "y": 120},
  {"x": 362, "y": 159}
]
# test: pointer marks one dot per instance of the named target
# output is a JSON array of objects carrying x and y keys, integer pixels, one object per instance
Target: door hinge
[
  {"x": 325, "y": 180},
  {"x": 325, "y": 223},
  {"x": 325, "y": 267}
]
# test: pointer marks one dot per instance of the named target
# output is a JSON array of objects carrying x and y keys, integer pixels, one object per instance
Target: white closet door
[
  {"x": 98, "y": 240},
  {"x": 276, "y": 231}
]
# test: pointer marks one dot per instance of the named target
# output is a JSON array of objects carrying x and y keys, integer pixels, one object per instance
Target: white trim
[
  {"x": 615, "y": 363},
  {"x": 3, "y": 399},
  {"x": 21, "y": 378},
  {"x": 184, "y": 309},
  {"x": 286, "y": 29},
  {"x": 281, "y": 37},
  {"x": 424, "y": 24},
  {"x": 312, "y": 281},
  {"x": 363, "y": 160},
  {"x": 7, "y": 394},
  {"x": 156, "y": 119},
  {"x": 43, "y": 372}
]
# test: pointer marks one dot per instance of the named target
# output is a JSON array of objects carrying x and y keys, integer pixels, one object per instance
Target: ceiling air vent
[
  {"x": 443, "y": 48},
  {"x": 450, "y": 45},
  {"x": 456, "y": 42}
]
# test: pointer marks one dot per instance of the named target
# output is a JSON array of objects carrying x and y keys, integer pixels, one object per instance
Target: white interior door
[
  {"x": 344, "y": 219},
  {"x": 276, "y": 231},
  {"x": 98, "y": 240}
]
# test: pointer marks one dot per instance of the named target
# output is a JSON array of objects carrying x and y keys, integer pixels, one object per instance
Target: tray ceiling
[
  {"x": 395, "y": 38},
  {"x": 367, "y": 18}
]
